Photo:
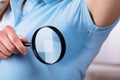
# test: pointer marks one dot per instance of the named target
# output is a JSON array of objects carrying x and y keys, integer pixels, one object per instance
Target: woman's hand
[{"x": 11, "y": 43}]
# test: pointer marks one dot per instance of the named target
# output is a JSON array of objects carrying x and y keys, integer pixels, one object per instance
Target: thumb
[{"x": 23, "y": 39}]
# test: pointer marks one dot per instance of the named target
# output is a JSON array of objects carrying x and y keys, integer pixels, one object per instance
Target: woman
[{"x": 85, "y": 24}]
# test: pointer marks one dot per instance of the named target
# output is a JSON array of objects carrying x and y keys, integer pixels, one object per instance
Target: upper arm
[{"x": 104, "y": 12}]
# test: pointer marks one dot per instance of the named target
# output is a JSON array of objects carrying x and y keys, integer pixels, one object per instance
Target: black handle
[{"x": 27, "y": 44}]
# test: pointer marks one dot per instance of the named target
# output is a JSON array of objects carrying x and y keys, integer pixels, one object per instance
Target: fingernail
[
  {"x": 20, "y": 36},
  {"x": 25, "y": 52}
]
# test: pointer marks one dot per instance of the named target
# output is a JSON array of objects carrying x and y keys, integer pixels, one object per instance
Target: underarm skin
[{"x": 104, "y": 12}]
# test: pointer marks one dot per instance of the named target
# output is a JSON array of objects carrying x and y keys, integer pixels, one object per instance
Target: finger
[
  {"x": 2, "y": 56},
  {"x": 23, "y": 39},
  {"x": 6, "y": 42},
  {"x": 15, "y": 39},
  {"x": 4, "y": 50}
]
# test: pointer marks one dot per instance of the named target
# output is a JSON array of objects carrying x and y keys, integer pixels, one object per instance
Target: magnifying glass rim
[{"x": 61, "y": 38}]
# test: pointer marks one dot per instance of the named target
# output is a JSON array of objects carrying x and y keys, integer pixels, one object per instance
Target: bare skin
[
  {"x": 104, "y": 12},
  {"x": 11, "y": 43}
]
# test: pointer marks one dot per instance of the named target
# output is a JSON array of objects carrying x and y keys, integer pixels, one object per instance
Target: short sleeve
[{"x": 93, "y": 37}]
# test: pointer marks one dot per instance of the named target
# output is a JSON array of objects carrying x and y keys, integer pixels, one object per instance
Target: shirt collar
[
  {"x": 50, "y": 1},
  {"x": 16, "y": 9},
  {"x": 16, "y": 6}
]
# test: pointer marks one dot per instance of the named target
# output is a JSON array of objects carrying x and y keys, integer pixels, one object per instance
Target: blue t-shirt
[{"x": 83, "y": 39}]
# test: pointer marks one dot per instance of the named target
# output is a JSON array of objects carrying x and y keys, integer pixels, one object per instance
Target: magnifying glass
[{"x": 48, "y": 45}]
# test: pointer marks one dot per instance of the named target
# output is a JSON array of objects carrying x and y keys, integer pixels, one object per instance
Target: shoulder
[{"x": 104, "y": 12}]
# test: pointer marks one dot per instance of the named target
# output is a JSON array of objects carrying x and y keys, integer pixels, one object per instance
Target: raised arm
[{"x": 104, "y": 12}]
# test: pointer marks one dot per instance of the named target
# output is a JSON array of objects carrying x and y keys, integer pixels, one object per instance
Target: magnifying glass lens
[{"x": 48, "y": 45}]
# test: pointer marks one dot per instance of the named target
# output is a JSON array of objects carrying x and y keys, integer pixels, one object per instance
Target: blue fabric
[{"x": 83, "y": 39}]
